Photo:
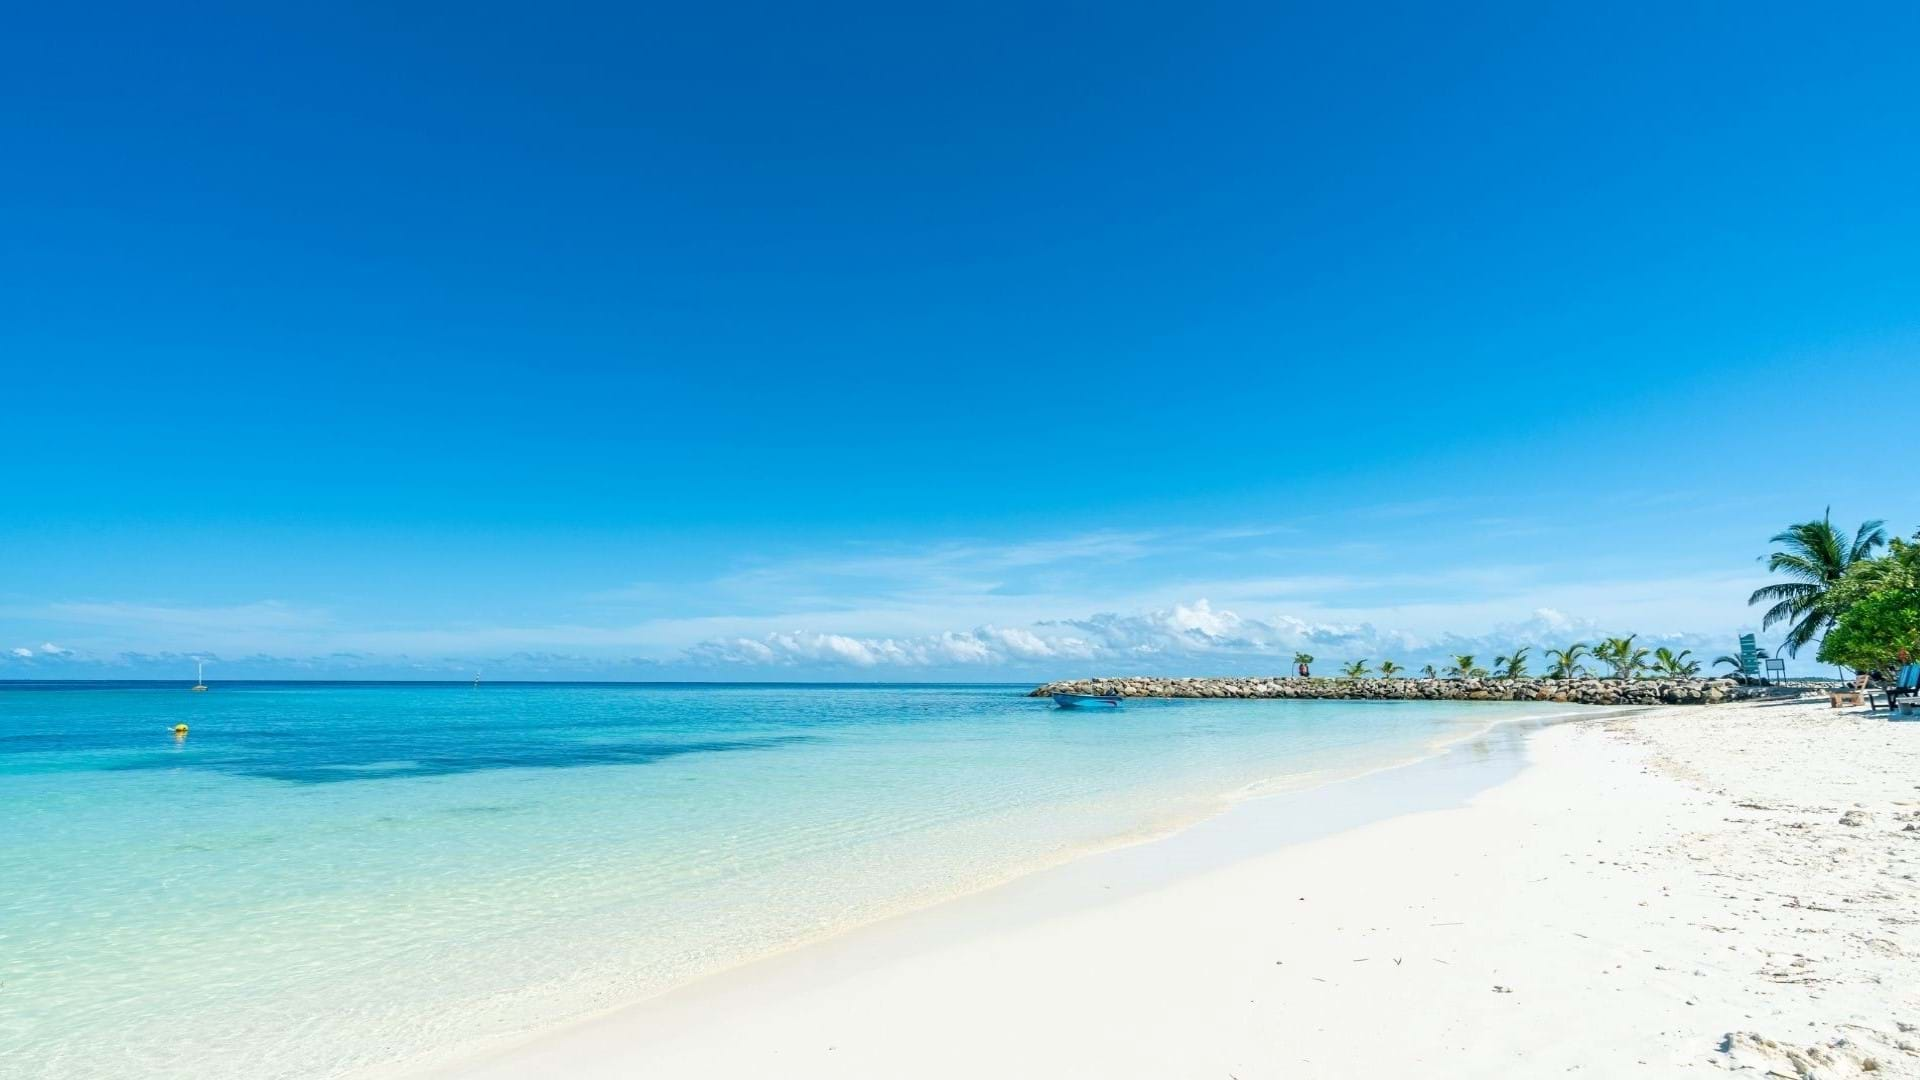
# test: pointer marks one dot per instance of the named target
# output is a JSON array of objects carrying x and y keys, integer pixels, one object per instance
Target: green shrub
[{"x": 1872, "y": 631}]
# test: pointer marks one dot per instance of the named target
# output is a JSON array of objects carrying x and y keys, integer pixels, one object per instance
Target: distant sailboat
[
  {"x": 476, "y": 678},
  {"x": 200, "y": 675}
]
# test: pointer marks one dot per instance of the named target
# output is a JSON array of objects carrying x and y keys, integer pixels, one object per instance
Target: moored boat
[{"x": 1074, "y": 701}]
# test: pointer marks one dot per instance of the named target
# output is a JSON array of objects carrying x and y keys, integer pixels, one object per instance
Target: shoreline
[
  {"x": 489, "y": 906},
  {"x": 1199, "y": 813},
  {"x": 1585, "y": 843},
  {"x": 1124, "y": 867},
  {"x": 1309, "y": 807}
]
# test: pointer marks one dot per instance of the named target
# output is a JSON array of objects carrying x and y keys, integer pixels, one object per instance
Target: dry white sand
[{"x": 1689, "y": 890}]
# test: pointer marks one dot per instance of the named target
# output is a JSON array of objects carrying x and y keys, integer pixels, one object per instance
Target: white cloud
[
  {"x": 1027, "y": 645},
  {"x": 1193, "y": 636},
  {"x": 1186, "y": 600},
  {"x": 1185, "y": 638},
  {"x": 805, "y": 649}
]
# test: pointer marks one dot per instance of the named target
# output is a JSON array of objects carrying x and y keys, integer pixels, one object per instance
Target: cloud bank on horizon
[
  {"x": 950, "y": 610},
  {"x": 1186, "y": 638},
  {"x": 1196, "y": 638}
]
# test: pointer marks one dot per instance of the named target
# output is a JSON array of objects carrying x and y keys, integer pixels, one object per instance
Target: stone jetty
[{"x": 1583, "y": 691}]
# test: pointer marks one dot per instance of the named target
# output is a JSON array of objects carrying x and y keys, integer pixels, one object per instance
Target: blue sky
[{"x": 877, "y": 342}]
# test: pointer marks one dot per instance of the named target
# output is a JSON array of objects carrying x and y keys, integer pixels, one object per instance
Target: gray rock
[{"x": 1585, "y": 691}]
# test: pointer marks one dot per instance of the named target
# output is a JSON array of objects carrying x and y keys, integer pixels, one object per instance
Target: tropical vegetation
[
  {"x": 1677, "y": 665},
  {"x": 1815, "y": 557},
  {"x": 1512, "y": 667},
  {"x": 1856, "y": 594},
  {"x": 1861, "y": 606},
  {"x": 1626, "y": 659},
  {"x": 1873, "y": 612},
  {"x": 1566, "y": 662}
]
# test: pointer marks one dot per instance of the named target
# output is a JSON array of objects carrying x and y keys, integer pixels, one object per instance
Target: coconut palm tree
[
  {"x": 1463, "y": 668},
  {"x": 1355, "y": 670},
  {"x": 1668, "y": 662},
  {"x": 1566, "y": 662},
  {"x": 1815, "y": 555},
  {"x": 1603, "y": 652},
  {"x": 1429, "y": 672},
  {"x": 1512, "y": 667},
  {"x": 1620, "y": 654},
  {"x": 1302, "y": 661},
  {"x": 1388, "y": 669}
]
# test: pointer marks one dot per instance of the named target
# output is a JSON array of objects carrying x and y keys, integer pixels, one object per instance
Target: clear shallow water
[{"x": 321, "y": 879}]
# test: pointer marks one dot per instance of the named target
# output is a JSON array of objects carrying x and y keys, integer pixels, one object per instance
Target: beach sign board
[{"x": 1749, "y": 655}]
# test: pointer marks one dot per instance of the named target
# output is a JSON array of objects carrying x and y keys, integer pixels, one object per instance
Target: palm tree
[
  {"x": 1301, "y": 661},
  {"x": 1463, "y": 668},
  {"x": 1566, "y": 662},
  {"x": 1619, "y": 654},
  {"x": 1428, "y": 672},
  {"x": 1815, "y": 555},
  {"x": 1668, "y": 662},
  {"x": 1603, "y": 652},
  {"x": 1388, "y": 669},
  {"x": 1515, "y": 666},
  {"x": 1355, "y": 670}
]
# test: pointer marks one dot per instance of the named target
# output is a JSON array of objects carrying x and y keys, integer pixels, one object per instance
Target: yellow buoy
[{"x": 179, "y": 729}]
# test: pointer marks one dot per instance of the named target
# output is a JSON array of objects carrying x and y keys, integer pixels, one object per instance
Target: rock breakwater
[{"x": 1584, "y": 691}]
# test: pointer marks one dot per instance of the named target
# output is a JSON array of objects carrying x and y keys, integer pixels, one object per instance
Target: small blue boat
[{"x": 1074, "y": 701}]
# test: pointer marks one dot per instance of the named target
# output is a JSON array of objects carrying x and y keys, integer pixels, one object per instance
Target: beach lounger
[
  {"x": 1856, "y": 695},
  {"x": 1906, "y": 684}
]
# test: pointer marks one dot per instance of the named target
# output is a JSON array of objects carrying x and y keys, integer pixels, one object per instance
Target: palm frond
[
  {"x": 1870, "y": 535},
  {"x": 1809, "y": 568},
  {"x": 1784, "y": 590},
  {"x": 1804, "y": 632},
  {"x": 1786, "y": 611}
]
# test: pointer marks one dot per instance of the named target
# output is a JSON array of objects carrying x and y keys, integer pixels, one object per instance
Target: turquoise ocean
[{"x": 324, "y": 879}]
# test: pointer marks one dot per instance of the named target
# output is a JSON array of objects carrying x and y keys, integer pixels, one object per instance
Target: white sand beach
[{"x": 1686, "y": 890}]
